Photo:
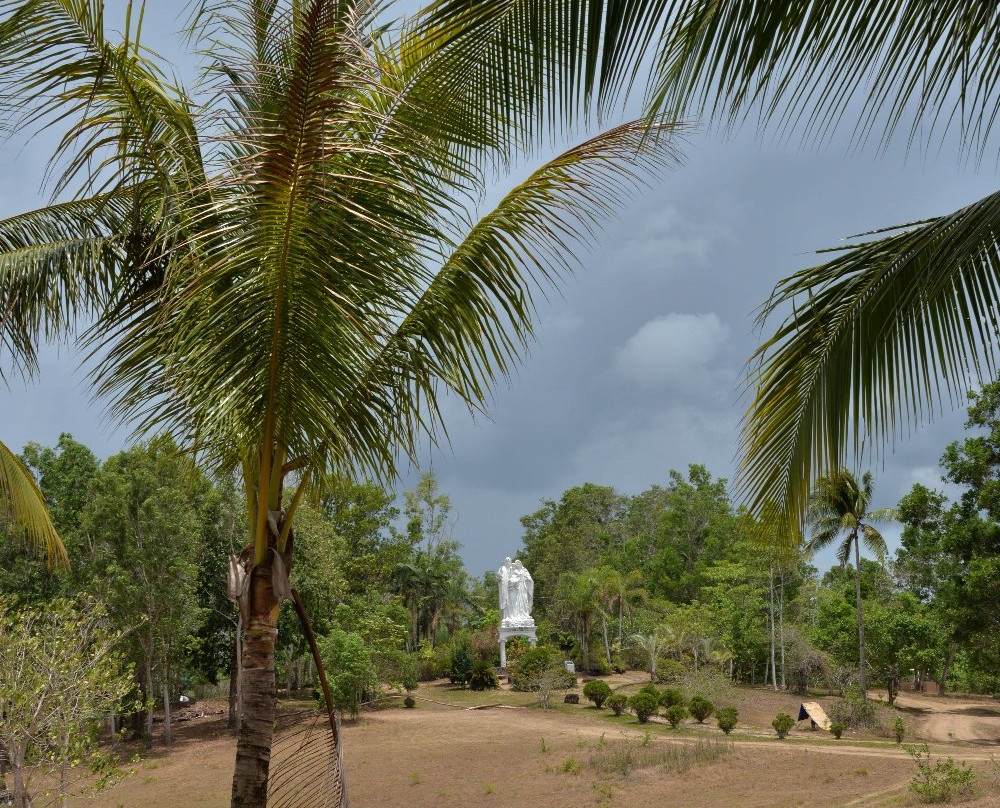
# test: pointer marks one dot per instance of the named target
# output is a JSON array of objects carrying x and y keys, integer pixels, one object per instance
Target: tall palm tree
[
  {"x": 875, "y": 339},
  {"x": 287, "y": 268},
  {"x": 23, "y": 508},
  {"x": 839, "y": 510}
]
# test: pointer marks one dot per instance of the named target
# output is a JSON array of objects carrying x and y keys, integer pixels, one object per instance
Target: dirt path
[{"x": 949, "y": 720}]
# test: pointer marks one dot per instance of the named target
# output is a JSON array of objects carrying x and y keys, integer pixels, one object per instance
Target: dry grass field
[{"x": 444, "y": 754}]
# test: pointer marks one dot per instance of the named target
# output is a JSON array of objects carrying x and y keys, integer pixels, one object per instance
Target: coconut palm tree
[
  {"x": 288, "y": 266},
  {"x": 876, "y": 337},
  {"x": 23, "y": 508},
  {"x": 839, "y": 510}
]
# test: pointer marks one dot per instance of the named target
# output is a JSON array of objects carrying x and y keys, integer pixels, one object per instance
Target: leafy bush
[
  {"x": 409, "y": 702},
  {"x": 597, "y": 691},
  {"x": 643, "y": 705},
  {"x": 676, "y": 714},
  {"x": 944, "y": 780},
  {"x": 538, "y": 663},
  {"x": 853, "y": 711},
  {"x": 617, "y": 702},
  {"x": 351, "y": 674},
  {"x": 652, "y": 691},
  {"x": 727, "y": 718},
  {"x": 700, "y": 708},
  {"x": 899, "y": 729},
  {"x": 669, "y": 670},
  {"x": 837, "y": 728},
  {"x": 671, "y": 696},
  {"x": 782, "y": 723},
  {"x": 483, "y": 677},
  {"x": 461, "y": 664}
]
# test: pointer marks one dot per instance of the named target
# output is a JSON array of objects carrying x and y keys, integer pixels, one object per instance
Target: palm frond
[
  {"x": 875, "y": 542},
  {"x": 476, "y": 316},
  {"x": 877, "y": 339},
  {"x": 931, "y": 64},
  {"x": 22, "y": 505}
]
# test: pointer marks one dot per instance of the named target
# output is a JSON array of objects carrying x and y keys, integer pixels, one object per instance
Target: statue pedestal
[{"x": 506, "y": 632}]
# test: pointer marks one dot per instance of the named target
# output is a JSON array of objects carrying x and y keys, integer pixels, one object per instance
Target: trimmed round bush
[
  {"x": 837, "y": 728},
  {"x": 643, "y": 705},
  {"x": 651, "y": 690},
  {"x": 597, "y": 691},
  {"x": 727, "y": 718},
  {"x": 676, "y": 714},
  {"x": 700, "y": 708},
  {"x": 782, "y": 723},
  {"x": 617, "y": 702},
  {"x": 483, "y": 677},
  {"x": 671, "y": 696},
  {"x": 409, "y": 701}
]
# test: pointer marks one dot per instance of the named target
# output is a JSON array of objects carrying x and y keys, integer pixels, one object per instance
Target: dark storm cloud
[{"x": 638, "y": 364}]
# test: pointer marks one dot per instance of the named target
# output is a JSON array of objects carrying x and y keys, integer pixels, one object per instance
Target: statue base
[{"x": 507, "y": 631}]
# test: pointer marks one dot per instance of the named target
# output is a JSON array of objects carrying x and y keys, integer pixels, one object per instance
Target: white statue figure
[{"x": 517, "y": 590}]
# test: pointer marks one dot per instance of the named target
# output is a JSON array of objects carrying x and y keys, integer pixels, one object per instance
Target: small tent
[{"x": 812, "y": 711}]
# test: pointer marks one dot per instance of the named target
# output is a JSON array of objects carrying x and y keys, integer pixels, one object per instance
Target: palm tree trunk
[
  {"x": 258, "y": 689},
  {"x": 861, "y": 622}
]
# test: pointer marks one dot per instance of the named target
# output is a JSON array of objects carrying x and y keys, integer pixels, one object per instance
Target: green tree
[
  {"x": 145, "y": 521},
  {"x": 840, "y": 510},
  {"x": 60, "y": 671},
  {"x": 577, "y": 598},
  {"x": 277, "y": 268}
]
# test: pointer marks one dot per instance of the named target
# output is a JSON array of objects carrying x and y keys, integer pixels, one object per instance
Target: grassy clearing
[{"x": 623, "y": 756}]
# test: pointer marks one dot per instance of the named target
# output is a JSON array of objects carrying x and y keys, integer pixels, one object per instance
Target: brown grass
[{"x": 442, "y": 755}]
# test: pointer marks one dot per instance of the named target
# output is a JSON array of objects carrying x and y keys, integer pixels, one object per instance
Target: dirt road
[{"x": 946, "y": 719}]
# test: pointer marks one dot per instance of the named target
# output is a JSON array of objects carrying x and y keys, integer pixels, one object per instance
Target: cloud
[{"x": 673, "y": 350}]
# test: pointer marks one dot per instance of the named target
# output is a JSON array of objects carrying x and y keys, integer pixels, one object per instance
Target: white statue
[{"x": 517, "y": 590}]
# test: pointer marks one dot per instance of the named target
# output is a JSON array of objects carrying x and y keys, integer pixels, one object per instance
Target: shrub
[
  {"x": 700, "y": 708},
  {"x": 669, "y": 670},
  {"x": 352, "y": 678},
  {"x": 676, "y": 714},
  {"x": 671, "y": 696},
  {"x": 943, "y": 781},
  {"x": 652, "y": 691},
  {"x": 782, "y": 723},
  {"x": 727, "y": 718},
  {"x": 837, "y": 728},
  {"x": 527, "y": 672},
  {"x": 597, "y": 691},
  {"x": 617, "y": 702},
  {"x": 461, "y": 664},
  {"x": 899, "y": 729},
  {"x": 409, "y": 701},
  {"x": 643, "y": 705},
  {"x": 483, "y": 677},
  {"x": 853, "y": 711}
]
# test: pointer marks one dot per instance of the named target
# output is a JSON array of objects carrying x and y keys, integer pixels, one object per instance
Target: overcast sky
[{"x": 638, "y": 363}]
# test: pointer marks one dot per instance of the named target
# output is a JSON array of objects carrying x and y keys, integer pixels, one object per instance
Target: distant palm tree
[
  {"x": 23, "y": 508},
  {"x": 839, "y": 510}
]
